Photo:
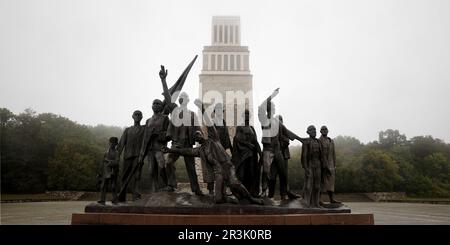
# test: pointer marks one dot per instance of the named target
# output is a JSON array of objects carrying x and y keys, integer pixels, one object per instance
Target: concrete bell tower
[{"x": 226, "y": 69}]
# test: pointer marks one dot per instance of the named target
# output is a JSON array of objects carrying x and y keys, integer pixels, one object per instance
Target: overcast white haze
[{"x": 356, "y": 66}]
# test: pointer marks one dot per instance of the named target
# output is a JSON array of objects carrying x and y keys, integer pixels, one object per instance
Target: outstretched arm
[
  {"x": 274, "y": 93},
  {"x": 291, "y": 135},
  {"x": 263, "y": 112},
  {"x": 189, "y": 152}
]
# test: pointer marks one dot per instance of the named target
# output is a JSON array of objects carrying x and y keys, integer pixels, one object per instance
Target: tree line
[
  {"x": 419, "y": 166},
  {"x": 42, "y": 152}
]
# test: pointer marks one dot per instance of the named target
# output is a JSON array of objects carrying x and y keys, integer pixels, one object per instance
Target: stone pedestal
[
  {"x": 242, "y": 219},
  {"x": 186, "y": 209}
]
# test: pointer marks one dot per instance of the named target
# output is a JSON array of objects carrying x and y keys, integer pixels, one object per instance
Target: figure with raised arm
[
  {"x": 281, "y": 170},
  {"x": 212, "y": 153},
  {"x": 271, "y": 130},
  {"x": 155, "y": 137}
]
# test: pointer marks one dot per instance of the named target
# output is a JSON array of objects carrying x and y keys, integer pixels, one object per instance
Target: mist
[{"x": 358, "y": 67}]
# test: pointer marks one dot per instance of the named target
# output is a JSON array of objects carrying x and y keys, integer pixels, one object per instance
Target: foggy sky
[{"x": 358, "y": 67}]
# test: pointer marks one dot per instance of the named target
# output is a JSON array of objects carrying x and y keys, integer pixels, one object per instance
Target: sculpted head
[
  {"x": 137, "y": 116},
  {"x": 324, "y": 131},
  {"x": 157, "y": 106},
  {"x": 113, "y": 142},
  {"x": 198, "y": 137},
  {"x": 311, "y": 131}
]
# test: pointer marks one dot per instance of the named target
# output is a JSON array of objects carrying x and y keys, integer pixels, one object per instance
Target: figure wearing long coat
[
  {"x": 329, "y": 168},
  {"x": 130, "y": 143},
  {"x": 312, "y": 162},
  {"x": 245, "y": 158},
  {"x": 109, "y": 172},
  {"x": 154, "y": 139}
]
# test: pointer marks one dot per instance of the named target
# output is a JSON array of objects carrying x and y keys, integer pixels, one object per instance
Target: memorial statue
[
  {"x": 221, "y": 127},
  {"x": 213, "y": 154},
  {"x": 312, "y": 160},
  {"x": 130, "y": 143},
  {"x": 181, "y": 131},
  {"x": 224, "y": 138},
  {"x": 109, "y": 171},
  {"x": 155, "y": 138},
  {"x": 155, "y": 133},
  {"x": 281, "y": 170},
  {"x": 271, "y": 129},
  {"x": 329, "y": 169},
  {"x": 246, "y": 151}
]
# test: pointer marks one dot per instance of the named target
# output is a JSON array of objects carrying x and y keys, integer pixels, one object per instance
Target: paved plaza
[{"x": 50, "y": 213}]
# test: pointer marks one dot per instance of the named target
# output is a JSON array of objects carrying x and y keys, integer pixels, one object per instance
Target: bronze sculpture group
[{"x": 242, "y": 166}]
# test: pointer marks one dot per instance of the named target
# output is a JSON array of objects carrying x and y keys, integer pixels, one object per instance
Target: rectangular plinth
[{"x": 177, "y": 219}]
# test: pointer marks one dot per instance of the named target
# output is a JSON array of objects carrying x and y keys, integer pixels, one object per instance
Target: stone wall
[{"x": 385, "y": 196}]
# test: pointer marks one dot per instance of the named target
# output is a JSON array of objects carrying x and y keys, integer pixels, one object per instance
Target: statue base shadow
[{"x": 165, "y": 208}]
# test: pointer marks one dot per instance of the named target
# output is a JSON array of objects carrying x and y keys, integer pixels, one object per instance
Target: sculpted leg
[
  {"x": 136, "y": 182},
  {"x": 273, "y": 179},
  {"x": 104, "y": 188},
  {"x": 267, "y": 161},
  {"x": 192, "y": 174},
  {"x": 162, "y": 175},
  {"x": 171, "y": 170},
  {"x": 114, "y": 189}
]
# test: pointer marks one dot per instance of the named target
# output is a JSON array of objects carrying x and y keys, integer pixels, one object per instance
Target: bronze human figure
[
  {"x": 221, "y": 130},
  {"x": 130, "y": 144},
  {"x": 221, "y": 127},
  {"x": 246, "y": 151},
  {"x": 312, "y": 162},
  {"x": 224, "y": 138},
  {"x": 155, "y": 137},
  {"x": 329, "y": 169},
  {"x": 154, "y": 133},
  {"x": 281, "y": 170},
  {"x": 272, "y": 154},
  {"x": 212, "y": 153},
  {"x": 109, "y": 171},
  {"x": 181, "y": 131}
]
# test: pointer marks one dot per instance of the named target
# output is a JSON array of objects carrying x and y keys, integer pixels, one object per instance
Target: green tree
[
  {"x": 436, "y": 166},
  {"x": 74, "y": 166},
  {"x": 347, "y": 149},
  {"x": 23, "y": 170},
  {"x": 379, "y": 171},
  {"x": 419, "y": 186},
  {"x": 422, "y": 146},
  {"x": 390, "y": 138}
]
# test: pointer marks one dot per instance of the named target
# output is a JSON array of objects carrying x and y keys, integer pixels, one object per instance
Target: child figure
[{"x": 110, "y": 170}]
